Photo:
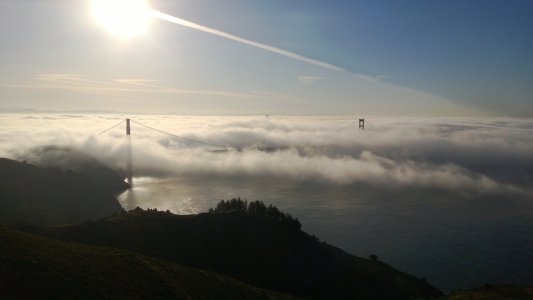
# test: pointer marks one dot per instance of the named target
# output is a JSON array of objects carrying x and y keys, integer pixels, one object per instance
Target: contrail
[{"x": 292, "y": 55}]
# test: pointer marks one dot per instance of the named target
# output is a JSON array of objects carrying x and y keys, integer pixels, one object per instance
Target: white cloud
[
  {"x": 248, "y": 42},
  {"x": 483, "y": 155},
  {"x": 127, "y": 86},
  {"x": 309, "y": 80}
]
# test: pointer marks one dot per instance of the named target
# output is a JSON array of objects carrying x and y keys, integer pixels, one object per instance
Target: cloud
[
  {"x": 127, "y": 86},
  {"x": 309, "y": 80},
  {"x": 367, "y": 168},
  {"x": 411, "y": 182},
  {"x": 469, "y": 155},
  {"x": 248, "y": 42}
]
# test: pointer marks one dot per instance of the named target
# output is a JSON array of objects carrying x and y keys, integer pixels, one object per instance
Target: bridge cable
[
  {"x": 112, "y": 127},
  {"x": 184, "y": 138}
]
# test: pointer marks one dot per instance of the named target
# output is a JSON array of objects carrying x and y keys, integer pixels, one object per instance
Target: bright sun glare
[{"x": 124, "y": 18}]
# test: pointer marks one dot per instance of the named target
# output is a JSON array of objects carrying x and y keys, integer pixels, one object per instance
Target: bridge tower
[
  {"x": 129, "y": 165},
  {"x": 362, "y": 124}
]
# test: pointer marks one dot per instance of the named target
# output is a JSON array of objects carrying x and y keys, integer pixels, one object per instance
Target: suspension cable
[
  {"x": 184, "y": 138},
  {"x": 112, "y": 127}
]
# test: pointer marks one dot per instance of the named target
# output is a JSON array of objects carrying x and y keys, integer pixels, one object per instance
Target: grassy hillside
[
  {"x": 44, "y": 195},
  {"x": 261, "y": 247},
  {"x": 34, "y": 267},
  {"x": 494, "y": 292}
]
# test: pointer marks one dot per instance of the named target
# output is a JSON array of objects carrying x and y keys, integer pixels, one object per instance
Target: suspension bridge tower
[
  {"x": 362, "y": 124},
  {"x": 129, "y": 165}
]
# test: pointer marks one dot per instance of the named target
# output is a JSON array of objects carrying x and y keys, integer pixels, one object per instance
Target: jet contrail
[{"x": 292, "y": 55}]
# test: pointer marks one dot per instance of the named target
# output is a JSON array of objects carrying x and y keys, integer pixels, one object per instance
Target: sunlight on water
[
  {"x": 164, "y": 195},
  {"x": 429, "y": 235}
]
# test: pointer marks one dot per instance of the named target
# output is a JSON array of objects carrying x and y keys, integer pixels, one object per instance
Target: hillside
[
  {"x": 263, "y": 247},
  {"x": 33, "y": 267},
  {"x": 494, "y": 292},
  {"x": 68, "y": 159},
  {"x": 45, "y": 195}
]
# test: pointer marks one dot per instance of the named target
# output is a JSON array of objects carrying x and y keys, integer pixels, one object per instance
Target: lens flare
[{"x": 124, "y": 18}]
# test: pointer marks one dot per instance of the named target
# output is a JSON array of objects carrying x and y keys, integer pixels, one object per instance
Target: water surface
[{"x": 454, "y": 240}]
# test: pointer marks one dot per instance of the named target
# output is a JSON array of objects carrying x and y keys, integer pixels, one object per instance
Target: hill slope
[
  {"x": 68, "y": 159},
  {"x": 51, "y": 196},
  {"x": 33, "y": 267},
  {"x": 494, "y": 292},
  {"x": 269, "y": 251}
]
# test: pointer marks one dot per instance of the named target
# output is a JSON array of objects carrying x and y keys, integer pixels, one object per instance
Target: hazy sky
[{"x": 328, "y": 57}]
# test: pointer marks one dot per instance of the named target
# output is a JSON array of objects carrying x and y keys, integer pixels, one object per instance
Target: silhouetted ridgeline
[
  {"x": 257, "y": 209},
  {"x": 34, "y": 267},
  {"x": 68, "y": 159},
  {"x": 493, "y": 292},
  {"x": 250, "y": 242},
  {"x": 46, "y": 195}
]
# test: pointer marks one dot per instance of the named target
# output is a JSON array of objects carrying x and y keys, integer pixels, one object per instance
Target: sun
[{"x": 124, "y": 18}]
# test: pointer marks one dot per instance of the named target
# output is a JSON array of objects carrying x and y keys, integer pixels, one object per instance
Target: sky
[{"x": 286, "y": 57}]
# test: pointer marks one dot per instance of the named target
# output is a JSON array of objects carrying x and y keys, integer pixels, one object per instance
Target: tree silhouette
[{"x": 256, "y": 209}]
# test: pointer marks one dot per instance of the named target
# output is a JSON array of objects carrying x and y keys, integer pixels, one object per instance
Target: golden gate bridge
[
  {"x": 129, "y": 122},
  {"x": 215, "y": 147}
]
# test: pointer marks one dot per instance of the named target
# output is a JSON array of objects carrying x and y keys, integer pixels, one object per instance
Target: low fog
[
  {"x": 471, "y": 155},
  {"x": 444, "y": 199}
]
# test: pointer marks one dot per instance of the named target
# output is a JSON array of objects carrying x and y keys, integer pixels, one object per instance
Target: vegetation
[
  {"x": 68, "y": 159},
  {"x": 249, "y": 241},
  {"x": 258, "y": 245},
  {"x": 257, "y": 209},
  {"x": 494, "y": 292},
  {"x": 46, "y": 195},
  {"x": 33, "y": 267}
]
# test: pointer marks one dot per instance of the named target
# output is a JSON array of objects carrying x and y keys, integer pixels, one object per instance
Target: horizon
[{"x": 26, "y": 110}]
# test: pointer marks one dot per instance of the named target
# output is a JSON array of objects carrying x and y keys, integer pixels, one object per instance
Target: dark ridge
[
  {"x": 45, "y": 195},
  {"x": 68, "y": 159},
  {"x": 34, "y": 267},
  {"x": 493, "y": 292},
  {"x": 250, "y": 242}
]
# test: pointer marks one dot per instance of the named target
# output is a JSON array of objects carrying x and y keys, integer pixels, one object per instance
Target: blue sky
[{"x": 398, "y": 57}]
